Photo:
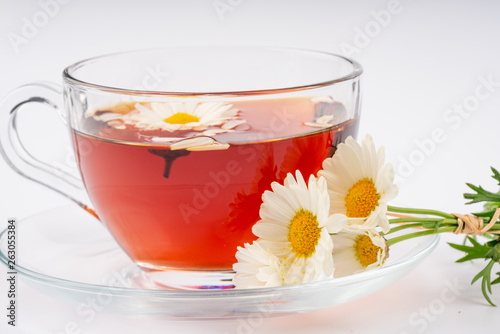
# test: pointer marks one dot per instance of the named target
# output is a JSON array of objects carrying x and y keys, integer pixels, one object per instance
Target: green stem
[
  {"x": 419, "y": 211},
  {"x": 402, "y": 227},
  {"x": 426, "y": 223},
  {"x": 395, "y": 240},
  {"x": 495, "y": 227},
  {"x": 414, "y": 220}
]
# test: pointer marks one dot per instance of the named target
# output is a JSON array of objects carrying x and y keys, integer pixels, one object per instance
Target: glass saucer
[{"x": 68, "y": 254}]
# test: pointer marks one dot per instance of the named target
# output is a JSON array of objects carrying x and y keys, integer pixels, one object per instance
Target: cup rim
[{"x": 356, "y": 71}]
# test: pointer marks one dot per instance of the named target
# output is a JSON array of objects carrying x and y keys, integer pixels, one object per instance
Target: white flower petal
[
  {"x": 233, "y": 123},
  {"x": 256, "y": 267},
  {"x": 277, "y": 212},
  {"x": 192, "y": 142},
  {"x": 346, "y": 260},
  {"x": 353, "y": 162},
  {"x": 322, "y": 98},
  {"x": 318, "y": 125},
  {"x": 108, "y": 116},
  {"x": 164, "y": 139},
  {"x": 275, "y": 208},
  {"x": 336, "y": 222},
  {"x": 270, "y": 231},
  {"x": 152, "y": 116},
  {"x": 213, "y": 132},
  {"x": 209, "y": 147}
]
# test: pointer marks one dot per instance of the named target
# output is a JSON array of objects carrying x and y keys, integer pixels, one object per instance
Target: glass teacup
[{"x": 176, "y": 146}]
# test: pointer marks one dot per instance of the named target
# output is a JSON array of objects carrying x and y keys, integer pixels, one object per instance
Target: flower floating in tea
[
  {"x": 178, "y": 116},
  {"x": 337, "y": 225}
]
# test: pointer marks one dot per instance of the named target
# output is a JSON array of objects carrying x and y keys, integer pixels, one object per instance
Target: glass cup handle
[{"x": 16, "y": 155}]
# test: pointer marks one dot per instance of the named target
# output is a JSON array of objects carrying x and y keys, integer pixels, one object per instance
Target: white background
[{"x": 423, "y": 60}]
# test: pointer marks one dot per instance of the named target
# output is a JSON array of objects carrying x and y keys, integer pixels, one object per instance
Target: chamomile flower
[
  {"x": 360, "y": 184},
  {"x": 295, "y": 227},
  {"x": 356, "y": 251},
  {"x": 256, "y": 268},
  {"x": 173, "y": 116}
]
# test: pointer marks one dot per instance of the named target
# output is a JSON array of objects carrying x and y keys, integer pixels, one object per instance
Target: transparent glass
[
  {"x": 175, "y": 146},
  {"x": 59, "y": 258}
]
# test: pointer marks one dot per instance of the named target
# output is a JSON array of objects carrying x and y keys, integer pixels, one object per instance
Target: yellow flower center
[
  {"x": 366, "y": 251},
  {"x": 304, "y": 233},
  {"x": 362, "y": 198},
  {"x": 181, "y": 118}
]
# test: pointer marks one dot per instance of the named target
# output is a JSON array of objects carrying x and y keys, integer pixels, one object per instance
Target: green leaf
[
  {"x": 496, "y": 175},
  {"x": 489, "y": 212},
  {"x": 491, "y": 207},
  {"x": 494, "y": 252},
  {"x": 481, "y": 195},
  {"x": 485, "y": 274},
  {"x": 497, "y": 280},
  {"x": 476, "y": 251},
  {"x": 474, "y": 241},
  {"x": 492, "y": 243},
  {"x": 490, "y": 236}
]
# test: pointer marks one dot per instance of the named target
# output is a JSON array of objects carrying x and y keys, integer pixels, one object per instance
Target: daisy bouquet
[{"x": 337, "y": 224}]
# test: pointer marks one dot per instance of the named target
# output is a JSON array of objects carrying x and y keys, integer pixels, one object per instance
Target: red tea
[{"x": 191, "y": 209}]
